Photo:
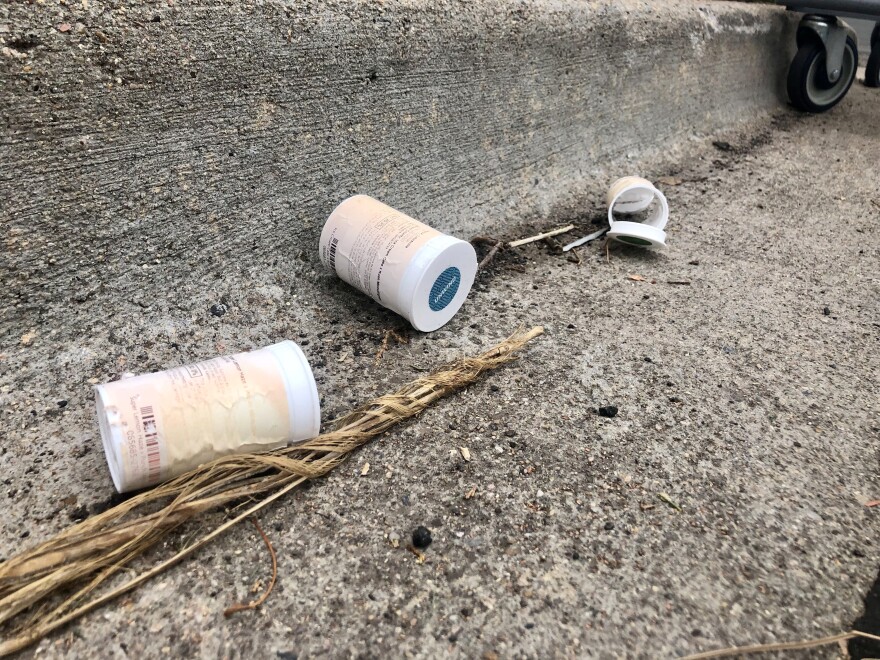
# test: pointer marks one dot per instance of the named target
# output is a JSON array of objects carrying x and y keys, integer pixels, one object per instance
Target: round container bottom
[{"x": 437, "y": 282}]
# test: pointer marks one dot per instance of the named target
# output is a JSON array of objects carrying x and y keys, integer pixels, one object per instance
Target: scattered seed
[
  {"x": 669, "y": 501},
  {"x": 670, "y": 180},
  {"x": 418, "y": 553},
  {"x": 608, "y": 411},
  {"x": 365, "y": 470},
  {"x": 465, "y": 453}
]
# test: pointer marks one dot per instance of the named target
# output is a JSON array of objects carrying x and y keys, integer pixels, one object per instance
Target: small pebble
[
  {"x": 609, "y": 526},
  {"x": 218, "y": 309},
  {"x": 826, "y": 311},
  {"x": 421, "y": 537},
  {"x": 510, "y": 433},
  {"x": 608, "y": 411},
  {"x": 62, "y": 403}
]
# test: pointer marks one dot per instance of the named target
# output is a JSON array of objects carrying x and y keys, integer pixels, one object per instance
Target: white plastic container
[
  {"x": 633, "y": 194},
  {"x": 157, "y": 426},
  {"x": 407, "y": 266}
]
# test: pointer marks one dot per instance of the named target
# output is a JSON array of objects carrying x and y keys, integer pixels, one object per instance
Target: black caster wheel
[
  {"x": 808, "y": 86},
  {"x": 872, "y": 70}
]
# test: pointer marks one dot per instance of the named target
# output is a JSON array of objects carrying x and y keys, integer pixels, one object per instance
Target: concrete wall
[{"x": 151, "y": 150}]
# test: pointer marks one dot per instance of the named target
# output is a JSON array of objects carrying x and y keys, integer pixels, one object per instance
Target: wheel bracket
[{"x": 832, "y": 32}]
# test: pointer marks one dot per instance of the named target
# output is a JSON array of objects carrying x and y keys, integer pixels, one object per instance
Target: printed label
[
  {"x": 151, "y": 440},
  {"x": 444, "y": 289},
  {"x": 175, "y": 420},
  {"x": 370, "y": 245}
]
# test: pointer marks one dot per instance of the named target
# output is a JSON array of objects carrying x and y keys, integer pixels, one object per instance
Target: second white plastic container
[
  {"x": 401, "y": 263},
  {"x": 160, "y": 425}
]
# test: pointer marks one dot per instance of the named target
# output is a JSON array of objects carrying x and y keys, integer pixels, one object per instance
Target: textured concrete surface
[
  {"x": 153, "y": 151},
  {"x": 128, "y": 213},
  {"x": 740, "y": 396}
]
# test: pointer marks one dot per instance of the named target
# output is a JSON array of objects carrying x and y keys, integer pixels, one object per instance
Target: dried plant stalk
[{"x": 83, "y": 557}]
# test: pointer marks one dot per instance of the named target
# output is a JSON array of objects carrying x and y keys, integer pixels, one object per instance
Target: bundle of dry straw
[{"x": 58, "y": 581}]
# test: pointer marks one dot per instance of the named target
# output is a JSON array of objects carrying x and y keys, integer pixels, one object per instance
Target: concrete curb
[{"x": 150, "y": 149}]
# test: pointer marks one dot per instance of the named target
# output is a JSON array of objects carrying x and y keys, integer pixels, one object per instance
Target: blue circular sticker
[{"x": 444, "y": 289}]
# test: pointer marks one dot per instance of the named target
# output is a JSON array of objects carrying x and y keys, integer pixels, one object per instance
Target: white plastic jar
[
  {"x": 157, "y": 426},
  {"x": 401, "y": 263},
  {"x": 633, "y": 194}
]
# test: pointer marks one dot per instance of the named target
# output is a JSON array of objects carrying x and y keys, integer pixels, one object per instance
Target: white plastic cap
[
  {"x": 112, "y": 437},
  {"x": 303, "y": 400},
  {"x": 437, "y": 282}
]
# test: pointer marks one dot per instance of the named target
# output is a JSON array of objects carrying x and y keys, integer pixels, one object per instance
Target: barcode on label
[
  {"x": 151, "y": 437},
  {"x": 333, "y": 244}
]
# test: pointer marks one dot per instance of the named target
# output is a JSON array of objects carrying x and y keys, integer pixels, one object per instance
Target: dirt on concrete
[{"x": 748, "y": 398}]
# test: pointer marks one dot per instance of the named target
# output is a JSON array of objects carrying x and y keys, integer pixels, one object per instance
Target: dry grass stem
[
  {"x": 539, "y": 237},
  {"x": 254, "y": 604},
  {"x": 782, "y": 646},
  {"x": 389, "y": 334}
]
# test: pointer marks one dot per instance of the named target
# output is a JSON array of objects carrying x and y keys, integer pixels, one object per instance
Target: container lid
[
  {"x": 636, "y": 233},
  {"x": 303, "y": 400},
  {"x": 632, "y": 194},
  {"x": 437, "y": 282},
  {"x": 112, "y": 437}
]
